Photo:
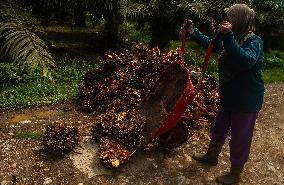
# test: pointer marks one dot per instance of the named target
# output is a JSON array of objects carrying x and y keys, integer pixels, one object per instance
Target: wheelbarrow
[{"x": 171, "y": 95}]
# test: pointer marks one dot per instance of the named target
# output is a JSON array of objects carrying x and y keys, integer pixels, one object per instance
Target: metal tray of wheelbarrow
[{"x": 168, "y": 101}]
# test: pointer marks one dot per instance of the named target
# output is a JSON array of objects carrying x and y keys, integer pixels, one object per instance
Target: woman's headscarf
[{"x": 242, "y": 19}]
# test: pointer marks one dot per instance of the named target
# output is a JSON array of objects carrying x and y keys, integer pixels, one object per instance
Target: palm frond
[
  {"x": 20, "y": 40},
  {"x": 102, "y": 4},
  {"x": 193, "y": 7},
  {"x": 130, "y": 8}
]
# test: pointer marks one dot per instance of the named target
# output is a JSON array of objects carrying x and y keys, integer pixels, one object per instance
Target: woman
[{"x": 241, "y": 88}]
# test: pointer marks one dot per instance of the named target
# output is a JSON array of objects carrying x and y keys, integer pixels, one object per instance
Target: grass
[
  {"x": 28, "y": 135},
  {"x": 273, "y": 75},
  {"x": 34, "y": 90},
  {"x": 273, "y": 66}
]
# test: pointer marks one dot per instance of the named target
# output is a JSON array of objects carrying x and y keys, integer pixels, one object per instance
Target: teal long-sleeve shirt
[{"x": 240, "y": 71}]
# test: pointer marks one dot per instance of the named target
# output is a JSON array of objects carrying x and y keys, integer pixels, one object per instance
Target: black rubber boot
[
  {"x": 211, "y": 156},
  {"x": 233, "y": 177}
]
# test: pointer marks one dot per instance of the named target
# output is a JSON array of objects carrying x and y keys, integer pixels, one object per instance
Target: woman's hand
[
  {"x": 225, "y": 27},
  {"x": 188, "y": 26}
]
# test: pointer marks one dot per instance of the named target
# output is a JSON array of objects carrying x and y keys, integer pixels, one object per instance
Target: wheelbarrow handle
[
  {"x": 205, "y": 65},
  {"x": 183, "y": 40},
  {"x": 206, "y": 60}
]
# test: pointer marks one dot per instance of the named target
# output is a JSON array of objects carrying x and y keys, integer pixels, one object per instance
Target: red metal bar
[{"x": 183, "y": 40}]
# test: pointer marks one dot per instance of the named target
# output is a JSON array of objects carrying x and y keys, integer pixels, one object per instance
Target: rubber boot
[
  {"x": 211, "y": 156},
  {"x": 233, "y": 177}
]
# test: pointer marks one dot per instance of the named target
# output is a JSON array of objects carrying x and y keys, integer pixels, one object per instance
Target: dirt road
[{"x": 21, "y": 161}]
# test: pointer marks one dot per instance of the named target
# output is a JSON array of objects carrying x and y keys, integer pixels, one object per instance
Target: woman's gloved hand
[
  {"x": 188, "y": 26},
  {"x": 225, "y": 27}
]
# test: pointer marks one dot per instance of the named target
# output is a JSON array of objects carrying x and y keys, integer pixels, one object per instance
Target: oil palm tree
[{"x": 270, "y": 22}]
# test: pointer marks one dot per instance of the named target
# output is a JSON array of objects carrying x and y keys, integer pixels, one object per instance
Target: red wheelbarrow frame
[{"x": 189, "y": 93}]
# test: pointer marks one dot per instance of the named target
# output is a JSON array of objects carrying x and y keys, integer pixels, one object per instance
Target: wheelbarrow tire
[{"x": 175, "y": 137}]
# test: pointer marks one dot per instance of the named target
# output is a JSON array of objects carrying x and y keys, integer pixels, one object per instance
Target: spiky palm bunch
[
  {"x": 21, "y": 41},
  {"x": 60, "y": 138},
  {"x": 112, "y": 153}
]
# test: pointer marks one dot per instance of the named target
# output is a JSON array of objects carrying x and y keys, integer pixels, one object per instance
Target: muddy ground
[{"x": 22, "y": 162}]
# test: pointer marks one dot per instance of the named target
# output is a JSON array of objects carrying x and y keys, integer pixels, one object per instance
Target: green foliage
[
  {"x": 270, "y": 22},
  {"x": 273, "y": 59},
  {"x": 133, "y": 9},
  {"x": 95, "y": 21},
  {"x": 29, "y": 89},
  {"x": 11, "y": 74},
  {"x": 20, "y": 40},
  {"x": 28, "y": 135},
  {"x": 110, "y": 10},
  {"x": 273, "y": 75},
  {"x": 129, "y": 32},
  {"x": 164, "y": 19},
  {"x": 213, "y": 10}
]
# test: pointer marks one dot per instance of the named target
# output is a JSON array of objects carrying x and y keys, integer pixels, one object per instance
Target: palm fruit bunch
[
  {"x": 114, "y": 93},
  {"x": 208, "y": 97},
  {"x": 125, "y": 127},
  {"x": 60, "y": 138},
  {"x": 113, "y": 153},
  {"x": 92, "y": 83},
  {"x": 209, "y": 94}
]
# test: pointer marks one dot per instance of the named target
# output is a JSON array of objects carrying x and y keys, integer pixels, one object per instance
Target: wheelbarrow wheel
[{"x": 174, "y": 138}]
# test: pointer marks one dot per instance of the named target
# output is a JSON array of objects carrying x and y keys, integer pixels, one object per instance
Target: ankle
[{"x": 236, "y": 169}]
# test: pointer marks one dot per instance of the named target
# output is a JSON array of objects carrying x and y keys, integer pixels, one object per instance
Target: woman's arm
[{"x": 204, "y": 40}]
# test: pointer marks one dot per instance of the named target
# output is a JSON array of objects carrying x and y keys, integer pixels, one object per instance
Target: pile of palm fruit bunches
[{"x": 114, "y": 91}]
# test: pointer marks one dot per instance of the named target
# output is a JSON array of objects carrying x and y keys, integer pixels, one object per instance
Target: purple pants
[{"x": 242, "y": 126}]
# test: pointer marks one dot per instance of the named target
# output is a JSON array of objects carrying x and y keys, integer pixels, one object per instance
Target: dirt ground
[{"x": 22, "y": 162}]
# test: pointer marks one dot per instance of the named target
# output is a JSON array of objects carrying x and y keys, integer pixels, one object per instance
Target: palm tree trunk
[
  {"x": 80, "y": 15},
  {"x": 113, "y": 20}
]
